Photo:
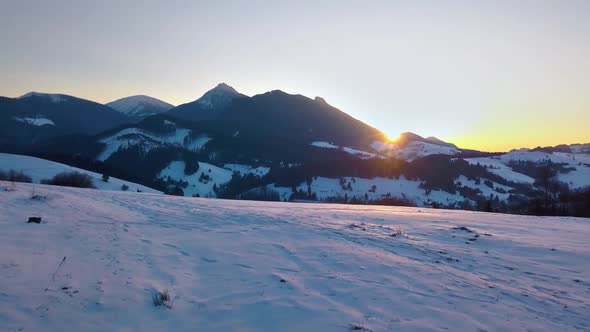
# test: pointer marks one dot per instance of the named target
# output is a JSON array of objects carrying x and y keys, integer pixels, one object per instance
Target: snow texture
[
  {"x": 204, "y": 188},
  {"x": 577, "y": 177},
  {"x": 139, "y": 105},
  {"x": 260, "y": 266},
  {"x": 402, "y": 188},
  {"x": 486, "y": 190},
  {"x": 496, "y": 166},
  {"x": 135, "y": 136}
]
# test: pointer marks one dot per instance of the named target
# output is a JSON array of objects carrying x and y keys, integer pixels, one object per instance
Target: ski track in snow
[{"x": 223, "y": 261}]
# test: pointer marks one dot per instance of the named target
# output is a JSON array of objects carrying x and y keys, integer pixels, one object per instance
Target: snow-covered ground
[
  {"x": 41, "y": 169},
  {"x": 402, "y": 188},
  {"x": 204, "y": 188},
  {"x": 580, "y": 148},
  {"x": 496, "y": 166},
  {"x": 485, "y": 189},
  {"x": 578, "y": 177},
  {"x": 259, "y": 266},
  {"x": 200, "y": 185},
  {"x": 413, "y": 149}
]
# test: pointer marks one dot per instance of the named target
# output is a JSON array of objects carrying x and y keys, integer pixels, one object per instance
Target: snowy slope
[
  {"x": 256, "y": 266},
  {"x": 41, "y": 169},
  {"x": 218, "y": 97},
  {"x": 413, "y": 149},
  {"x": 485, "y": 190},
  {"x": 578, "y": 177},
  {"x": 326, "y": 188},
  {"x": 401, "y": 188},
  {"x": 421, "y": 149},
  {"x": 140, "y": 105},
  {"x": 136, "y": 136},
  {"x": 580, "y": 148},
  {"x": 496, "y": 166},
  {"x": 204, "y": 188}
]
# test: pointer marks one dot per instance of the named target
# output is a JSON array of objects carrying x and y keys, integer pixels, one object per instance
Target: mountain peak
[
  {"x": 218, "y": 97},
  {"x": 139, "y": 105},
  {"x": 320, "y": 100},
  {"x": 224, "y": 86}
]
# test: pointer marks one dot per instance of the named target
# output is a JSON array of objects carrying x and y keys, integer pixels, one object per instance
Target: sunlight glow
[{"x": 393, "y": 139}]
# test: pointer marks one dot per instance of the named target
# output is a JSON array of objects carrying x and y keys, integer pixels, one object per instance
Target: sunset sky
[{"x": 488, "y": 75}]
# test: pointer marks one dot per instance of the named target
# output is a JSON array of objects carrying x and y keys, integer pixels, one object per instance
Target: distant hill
[
  {"x": 40, "y": 169},
  {"x": 140, "y": 106},
  {"x": 35, "y": 117}
]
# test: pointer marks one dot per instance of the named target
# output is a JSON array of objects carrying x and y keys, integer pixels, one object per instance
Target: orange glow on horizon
[{"x": 395, "y": 139}]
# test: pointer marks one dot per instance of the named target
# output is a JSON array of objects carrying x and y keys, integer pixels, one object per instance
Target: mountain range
[
  {"x": 35, "y": 117},
  {"x": 279, "y": 146}
]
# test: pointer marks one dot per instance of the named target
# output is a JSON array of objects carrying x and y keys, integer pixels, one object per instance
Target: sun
[{"x": 392, "y": 139}]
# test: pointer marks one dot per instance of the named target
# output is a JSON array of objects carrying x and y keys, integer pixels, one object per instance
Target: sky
[{"x": 487, "y": 75}]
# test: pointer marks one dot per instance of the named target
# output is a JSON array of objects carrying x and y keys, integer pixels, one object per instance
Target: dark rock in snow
[{"x": 36, "y": 220}]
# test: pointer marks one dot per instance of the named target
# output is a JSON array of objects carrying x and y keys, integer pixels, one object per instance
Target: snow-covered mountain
[
  {"x": 140, "y": 106},
  {"x": 36, "y": 117},
  {"x": 208, "y": 106},
  {"x": 580, "y": 148},
  {"x": 219, "y": 97},
  {"x": 410, "y": 146},
  {"x": 172, "y": 153},
  {"x": 53, "y": 97},
  {"x": 264, "y": 266},
  {"x": 506, "y": 179},
  {"x": 574, "y": 168}
]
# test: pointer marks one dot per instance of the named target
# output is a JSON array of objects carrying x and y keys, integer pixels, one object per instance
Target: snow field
[{"x": 260, "y": 266}]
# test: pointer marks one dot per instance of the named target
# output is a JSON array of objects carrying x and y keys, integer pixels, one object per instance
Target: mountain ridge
[{"x": 140, "y": 106}]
